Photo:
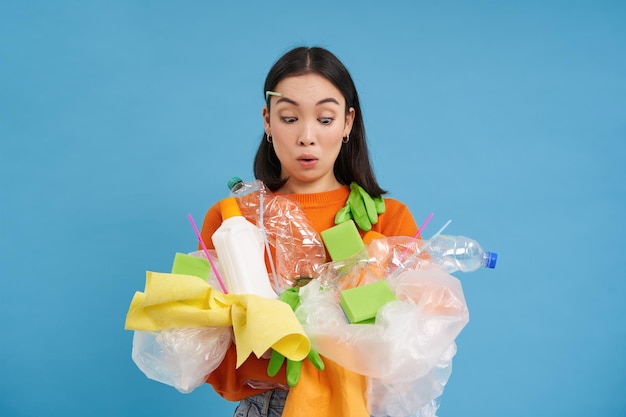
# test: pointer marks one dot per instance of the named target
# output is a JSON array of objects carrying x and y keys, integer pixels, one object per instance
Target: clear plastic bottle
[
  {"x": 241, "y": 253},
  {"x": 299, "y": 249},
  {"x": 249, "y": 196},
  {"x": 240, "y": 188},
  {"x": 459, "y": 253}
]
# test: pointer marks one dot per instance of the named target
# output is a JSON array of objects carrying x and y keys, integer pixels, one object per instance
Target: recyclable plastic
[
  {"x": 240, "y": 188},
  {"x": 299, "y": 250},
  {"x": 241, "y": 252},
  {"x": 459, "y": 253},
  {"x": 181, "y": 357},
  {"x": 407, "y": 353}
]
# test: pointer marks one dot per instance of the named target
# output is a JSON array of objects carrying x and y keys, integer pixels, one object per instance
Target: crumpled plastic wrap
[
  {"x": 380, "y": 259},
  {"x": 182, "y": 357},
  {"x": 299, "y": 248},
  {"x": 407, "y": 353},
  {"x": 417, "y": 398},
  {"x": 409, "y": 335}
]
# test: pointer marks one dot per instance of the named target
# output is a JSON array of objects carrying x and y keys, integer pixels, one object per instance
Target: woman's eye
[
  {"x": 288, "y": 119},
  {"x": 326, "y": 120}
]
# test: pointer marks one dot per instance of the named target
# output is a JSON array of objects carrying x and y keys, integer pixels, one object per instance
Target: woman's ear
[
  {"x": 266, "y": 119},
  {"x": 349, "y": 121}
]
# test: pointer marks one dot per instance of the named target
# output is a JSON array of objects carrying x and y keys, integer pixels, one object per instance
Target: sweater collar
[{"x": 328, "y": 198}]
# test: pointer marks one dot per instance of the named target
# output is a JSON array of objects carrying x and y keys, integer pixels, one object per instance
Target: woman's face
[{"x": 307, "y": 123}]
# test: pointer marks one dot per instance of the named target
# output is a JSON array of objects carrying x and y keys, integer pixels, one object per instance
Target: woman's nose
[{"x": 307, "y": 136}]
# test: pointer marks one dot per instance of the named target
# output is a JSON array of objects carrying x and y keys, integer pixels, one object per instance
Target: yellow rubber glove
[
  {"x": 291, "y": 296},
  {"x": 361, "y": 208}
]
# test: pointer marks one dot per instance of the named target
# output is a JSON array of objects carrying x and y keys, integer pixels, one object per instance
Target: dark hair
[{"x": 353, "y": 163}]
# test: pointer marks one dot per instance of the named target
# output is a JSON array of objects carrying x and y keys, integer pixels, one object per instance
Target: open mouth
[
  {"x": 307, "y": 161},
  {"x": 307, "y": 158}
]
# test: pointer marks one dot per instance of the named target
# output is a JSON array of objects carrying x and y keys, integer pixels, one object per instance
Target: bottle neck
[
  {"x": 489, "y": 259},
  {"x": 229, "y": 208}
]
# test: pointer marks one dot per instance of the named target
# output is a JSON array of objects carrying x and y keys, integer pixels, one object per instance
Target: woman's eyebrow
[
  {"x": 290, "y": 101},
  {"x": 328, "y": 100},
  {"x": 286, "y": 100}
]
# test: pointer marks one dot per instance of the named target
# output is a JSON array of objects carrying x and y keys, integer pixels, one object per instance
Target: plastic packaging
[
  {"x": 388, "y": 257},
  {"x": 409, "y": 335},
  {"x": 396, "y": 398},
  {"x": 407, "y": 353},
  {"x": 459, "y": 253},
  {"x": 182, "y": 357},
  {"x": 240, "y": 250},
  {"x": 380, "y": 259},
  {"x": 299, "y": 249}
]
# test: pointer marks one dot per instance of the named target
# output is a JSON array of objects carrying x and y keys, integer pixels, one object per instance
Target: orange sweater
[{"x": 320, "y": 209}]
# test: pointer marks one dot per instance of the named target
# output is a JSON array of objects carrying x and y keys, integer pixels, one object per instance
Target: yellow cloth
[{"x": 171, "y": 300}]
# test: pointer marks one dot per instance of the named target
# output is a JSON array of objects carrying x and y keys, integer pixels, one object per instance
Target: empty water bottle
[
  {"x": 459, "y": 253},
  {"x": 240, "y": 188},
  {"x": 298, "y": 247}
]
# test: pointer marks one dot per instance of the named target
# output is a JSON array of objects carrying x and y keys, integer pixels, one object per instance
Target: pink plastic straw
[
  {"x": 206, "y": 252},
  {"x": 423, "y": 226},
  {"x": 406, "y": 250}
]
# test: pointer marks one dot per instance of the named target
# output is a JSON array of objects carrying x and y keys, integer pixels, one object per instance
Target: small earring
[
  {"x": 346, "y": 139},
  {"x": 269, "y": 138}
]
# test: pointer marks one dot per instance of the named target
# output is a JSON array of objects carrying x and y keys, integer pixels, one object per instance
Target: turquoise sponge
[
  {"x": 342, "y": 241},
  {"x": 360, "y": 304}
]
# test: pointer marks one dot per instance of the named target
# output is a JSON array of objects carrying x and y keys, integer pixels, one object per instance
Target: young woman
[{"x": 314, "y": 147}]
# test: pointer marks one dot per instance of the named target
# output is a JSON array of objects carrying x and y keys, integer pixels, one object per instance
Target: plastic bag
[
  {"x": 407, "y": 352},
  {"x": 409, "y": 335},
  {"x": 181, "y": 357},
  {"x": 416, "y": 398}
]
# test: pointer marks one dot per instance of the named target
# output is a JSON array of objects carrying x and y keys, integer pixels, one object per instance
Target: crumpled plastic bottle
[{"x": 299, "y": 249}]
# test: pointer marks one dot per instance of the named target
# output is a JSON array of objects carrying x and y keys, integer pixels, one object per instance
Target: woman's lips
[{"x": 307, "y": 161}]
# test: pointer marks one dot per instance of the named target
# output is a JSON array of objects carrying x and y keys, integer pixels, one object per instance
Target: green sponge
[
  {"x": 360, "y": 304},
  {"x": 191, "y": 265},
  {"x": 342, "y": 241}
]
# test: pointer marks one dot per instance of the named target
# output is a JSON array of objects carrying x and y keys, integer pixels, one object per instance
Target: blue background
[{"x": 119, "y": 118}]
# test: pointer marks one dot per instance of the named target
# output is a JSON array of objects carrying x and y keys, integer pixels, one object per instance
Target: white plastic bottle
[
  {"x": 459, "y": 253},
  {"x": 241, "y": 253},
  {"x": 299, "y": 249}
]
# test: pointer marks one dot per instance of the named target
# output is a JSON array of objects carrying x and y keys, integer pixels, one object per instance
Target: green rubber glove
[
  {"x": 294, "y": 368},
  {"x": 361, "y": 208},
  {"x": 291, "y": 296}
]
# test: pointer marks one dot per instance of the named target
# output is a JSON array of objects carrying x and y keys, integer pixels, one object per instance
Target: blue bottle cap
[
  {"x": 232, "y": 184},
  {"x": 490, "y": 259}
]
